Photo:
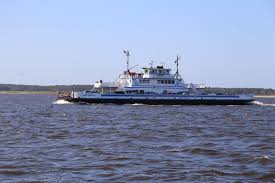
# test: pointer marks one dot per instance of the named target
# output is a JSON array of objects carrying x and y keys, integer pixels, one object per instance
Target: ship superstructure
[{"x": 153, "y": 80}]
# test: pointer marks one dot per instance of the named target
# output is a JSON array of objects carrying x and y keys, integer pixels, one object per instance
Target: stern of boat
[{"x": 65, "y": 95}]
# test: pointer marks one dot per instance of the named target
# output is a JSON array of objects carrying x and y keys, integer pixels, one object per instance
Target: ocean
[{"x": 44, "y": 140}]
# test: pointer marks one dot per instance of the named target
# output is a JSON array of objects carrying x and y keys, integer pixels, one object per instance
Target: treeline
[
  {"x": 56, "y": 88},
  {"x": 231, "y": 91},
  {"x": 53, "y": 88}
]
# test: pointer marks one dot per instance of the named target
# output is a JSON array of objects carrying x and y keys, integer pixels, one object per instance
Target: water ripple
[{"x": 44, "y": 142}]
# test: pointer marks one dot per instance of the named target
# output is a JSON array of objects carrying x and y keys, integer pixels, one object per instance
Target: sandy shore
[{"x": 265, "y": 96}]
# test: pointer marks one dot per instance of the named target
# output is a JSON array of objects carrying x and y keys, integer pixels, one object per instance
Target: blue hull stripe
[
  {"x": 172, "y": 87},
  {"x": 170, "y": 95}
]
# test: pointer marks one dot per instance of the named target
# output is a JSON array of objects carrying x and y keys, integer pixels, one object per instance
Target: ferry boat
[{"x": 154, "y": 86}]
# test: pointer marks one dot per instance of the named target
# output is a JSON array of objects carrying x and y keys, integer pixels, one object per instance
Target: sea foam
[
  {"x": 261, "y": 103},
  {"x": 61, "y": 102}
]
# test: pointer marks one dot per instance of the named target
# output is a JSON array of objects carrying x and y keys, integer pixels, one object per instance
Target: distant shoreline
[
  {"x": 55, "y": 93},
  {"x": 53, "y": 89},
  {"x": 29, "y": 92}
]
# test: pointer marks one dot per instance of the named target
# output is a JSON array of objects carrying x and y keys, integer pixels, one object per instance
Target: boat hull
[
  {"x": 162, "y": 101},
  {"x": 152, "y": 99}
]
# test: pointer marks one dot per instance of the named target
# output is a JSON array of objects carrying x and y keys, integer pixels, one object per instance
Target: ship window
[
  {"x": 145, "y": 81},
  {"x": 169, "y": 81},
  {"x": 173, "y": 81},
  {"x": 165, "y": 81},
  {"x": 162, "y": 81},
  {"x": 159, "y": 81},
  {"x": 146, "y": 71}
]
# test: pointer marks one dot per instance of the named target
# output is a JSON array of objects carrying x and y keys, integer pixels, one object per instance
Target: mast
[
  {"x": 151, "y": 64},
  {"x": 127, "y": 53},
  {"x": 177, "y": 64}
]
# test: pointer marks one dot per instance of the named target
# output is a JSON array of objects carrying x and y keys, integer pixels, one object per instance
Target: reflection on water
[{"x": 41, "y": 141}]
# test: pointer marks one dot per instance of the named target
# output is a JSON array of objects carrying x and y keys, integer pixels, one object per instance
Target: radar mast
[
  {"x": 177, "y": 75},
  {"x": 127, "y": 53}
]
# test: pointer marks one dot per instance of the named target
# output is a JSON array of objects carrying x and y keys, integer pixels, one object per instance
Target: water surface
[{"x": 45, "y": 142}]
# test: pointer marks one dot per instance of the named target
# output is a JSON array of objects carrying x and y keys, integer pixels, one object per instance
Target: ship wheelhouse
[{"x": 158, "y": 80}]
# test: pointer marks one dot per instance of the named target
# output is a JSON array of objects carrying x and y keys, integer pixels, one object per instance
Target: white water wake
[
  {"x": 262, "y": 104},
  {"x": 150, "y": 105},
  {"x": 61, "y": 102},
  {"x": 137, "y": 104}
]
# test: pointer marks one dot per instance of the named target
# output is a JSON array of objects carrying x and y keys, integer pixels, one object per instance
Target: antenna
[
  {"x": 127, "y": 53},
  {"x": 133, "y": 67},
  {"x": 151, "y": 63},
  {"x": 177, "y": 64}
]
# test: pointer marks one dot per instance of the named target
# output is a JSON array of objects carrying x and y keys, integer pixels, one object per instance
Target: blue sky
[{"x": 228, "y": 43}]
